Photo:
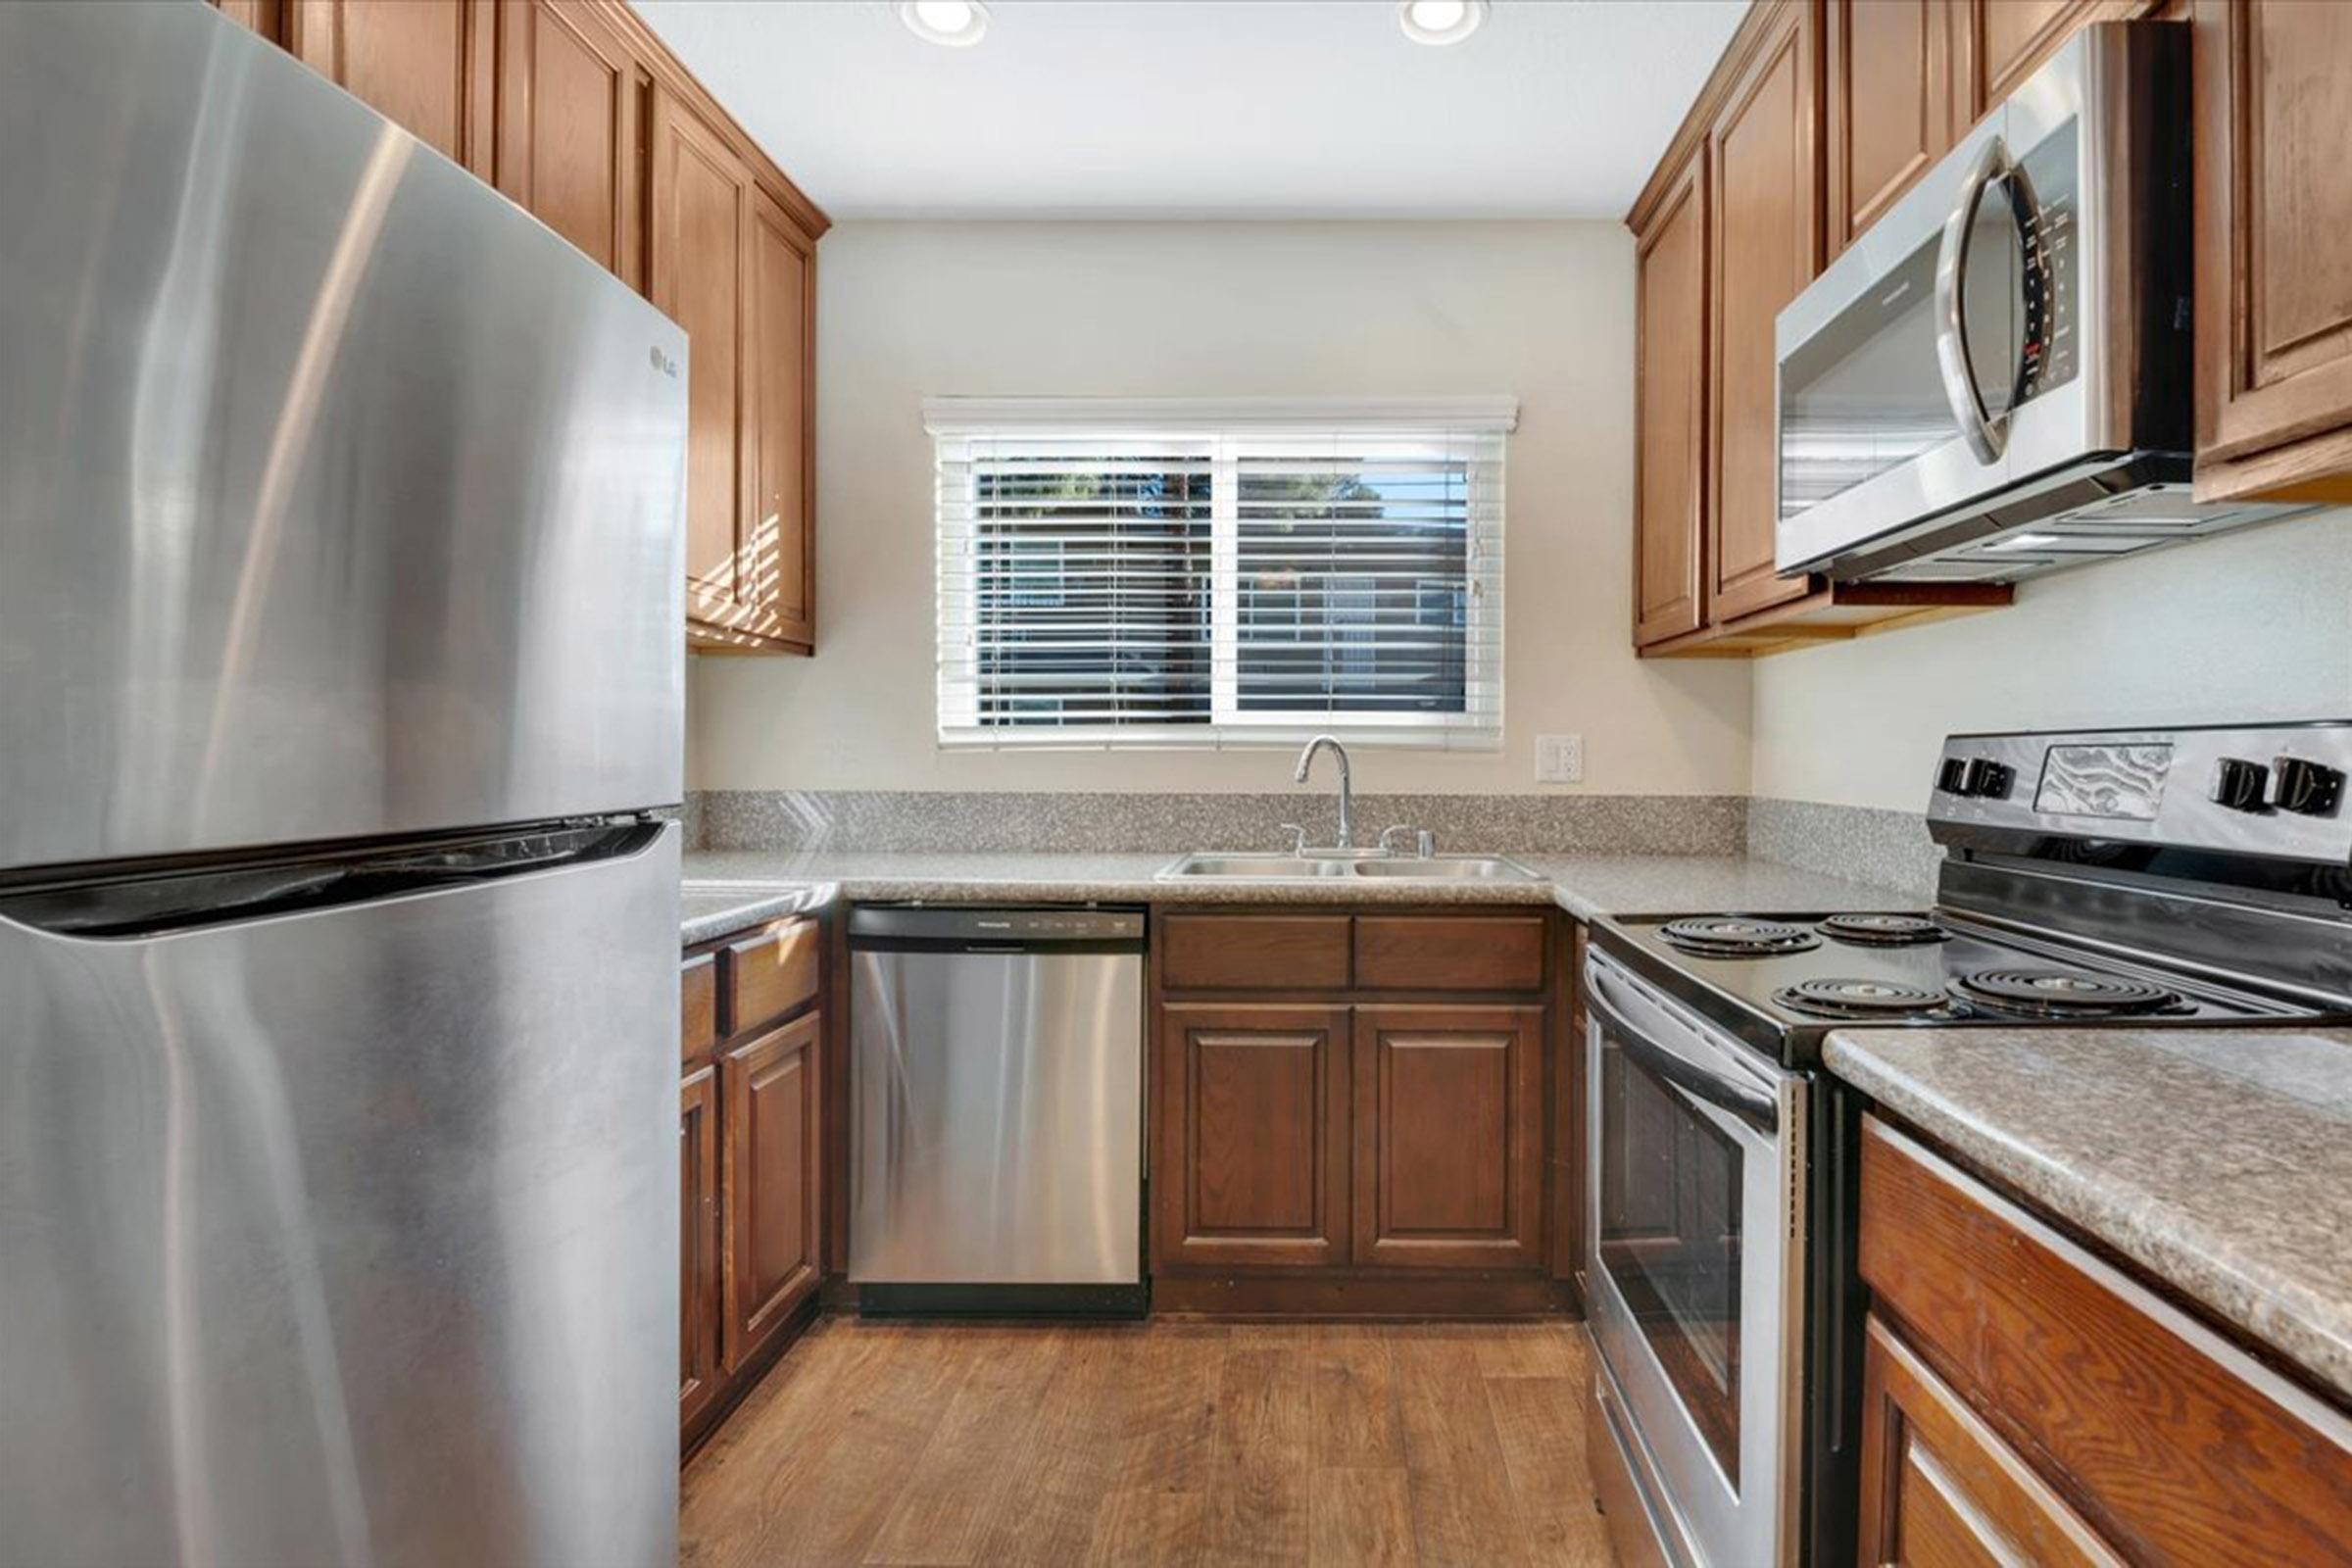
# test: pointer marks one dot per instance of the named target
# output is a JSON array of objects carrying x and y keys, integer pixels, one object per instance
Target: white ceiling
[{"x": 1206, "y": 107}]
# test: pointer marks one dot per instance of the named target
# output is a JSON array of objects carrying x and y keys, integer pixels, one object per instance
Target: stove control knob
[
  {"x": 2305, "y": 788},
  {"x": 2240, "y": 785},
  {"x": 1986, "y": 780},
  {"x": 1952, "y": 777}
]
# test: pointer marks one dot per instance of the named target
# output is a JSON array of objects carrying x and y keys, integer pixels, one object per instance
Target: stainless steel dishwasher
[{"x": 995, "y": 1136}]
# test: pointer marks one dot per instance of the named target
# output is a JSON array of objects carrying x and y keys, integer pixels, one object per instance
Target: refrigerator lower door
[
  {"x": 339, "y": 499},
  {"x": 350, "y": 1236}
]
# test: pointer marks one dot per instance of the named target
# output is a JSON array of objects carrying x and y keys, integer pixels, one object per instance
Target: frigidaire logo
[{"x": 663, "y": 363}]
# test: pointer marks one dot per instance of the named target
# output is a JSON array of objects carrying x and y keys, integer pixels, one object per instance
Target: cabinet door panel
[
  {"x": 701, "y": 245},
  {"x": 1889, "y": 105},
  {"x": 2274, "y": 264},
  {"x": 699, "y": 1244},
  {"x": 1250, "y": 1157},
  {"x": 772, "y": 1180},
  {"x": 782, "y": 547},
  {"x": 424, "y": 65},
  {"x": 1449, "y": 1136},
  {"x": 1938, "y": 1488},
  {"x": 1766, "y": 248},
  {"x": 569, "y": 91},
  {"x": 1670, "y": 413}
]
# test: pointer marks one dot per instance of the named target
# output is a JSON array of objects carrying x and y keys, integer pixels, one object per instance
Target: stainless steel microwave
[{"x": 1995, "y": 377}]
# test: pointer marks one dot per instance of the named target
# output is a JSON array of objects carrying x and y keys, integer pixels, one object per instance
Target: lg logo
[{"x": 663, "y": 363}]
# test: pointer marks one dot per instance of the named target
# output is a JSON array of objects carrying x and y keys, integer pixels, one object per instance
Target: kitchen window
[{"x": 1189, "y": 573}]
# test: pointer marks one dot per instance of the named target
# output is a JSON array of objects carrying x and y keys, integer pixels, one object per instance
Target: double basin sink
[{"x": 1362, "y": 865}]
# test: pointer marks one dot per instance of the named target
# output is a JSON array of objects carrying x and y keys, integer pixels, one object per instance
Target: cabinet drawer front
[
  {"x": 2179, "y": 1445},
  {"x": 1253, "y": 951},
  {"x": 1449, "y": 953},
  {"x": 1938, "y": 1486},
  {"x": 770, "y": 974},
  {"x": 698, "y": 1006}
]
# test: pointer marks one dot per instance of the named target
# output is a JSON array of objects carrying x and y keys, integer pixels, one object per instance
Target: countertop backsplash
[{"x": 1856, "y": 843}]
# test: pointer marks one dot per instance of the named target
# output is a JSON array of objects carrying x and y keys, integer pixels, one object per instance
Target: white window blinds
[{"x": 1180, "y": 573}]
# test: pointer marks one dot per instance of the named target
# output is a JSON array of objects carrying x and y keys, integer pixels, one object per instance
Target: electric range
[
  {"x": 1782, "y": 981},
  {"x": 2141, "y": 879}
]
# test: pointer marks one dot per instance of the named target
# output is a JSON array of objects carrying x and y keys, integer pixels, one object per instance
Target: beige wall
[
  {"x": 1542, "y": 311},
  {"x": 2251, "y": 625}
]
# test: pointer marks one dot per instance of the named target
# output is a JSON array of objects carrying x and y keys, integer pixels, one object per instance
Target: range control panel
[{"x": 2270, "y": 790}]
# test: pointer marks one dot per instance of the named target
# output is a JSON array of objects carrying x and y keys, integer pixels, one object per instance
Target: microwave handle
[{"x": 1986, "y": 436}]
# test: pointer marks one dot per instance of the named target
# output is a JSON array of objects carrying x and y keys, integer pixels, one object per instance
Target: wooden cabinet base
[
  {"x": 1354, "y": 1295},
  {"x": 695, "y": 1431},
  {"x": 1833, "y": 612}
]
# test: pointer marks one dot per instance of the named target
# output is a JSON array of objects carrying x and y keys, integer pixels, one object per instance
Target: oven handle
[
  {"x": 1753, "y": 1106},
  {"x": 1986, "y": 436}
]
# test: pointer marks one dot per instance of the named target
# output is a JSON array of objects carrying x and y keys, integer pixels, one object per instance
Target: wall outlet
[{"x": 1559, "y": 759}]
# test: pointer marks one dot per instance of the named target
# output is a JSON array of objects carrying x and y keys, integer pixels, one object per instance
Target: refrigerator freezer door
[
  {"x": 348, "y": 1237},
  {"x": 338, "y": 497}
]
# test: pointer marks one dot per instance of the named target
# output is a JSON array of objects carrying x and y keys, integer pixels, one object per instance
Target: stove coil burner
[
  {"x": 1861, "y": 1000},
  {"x": 2064, "y": 994},
  {"x": 1733, "y": 936},
  {"x": 1883, "y": 930}
]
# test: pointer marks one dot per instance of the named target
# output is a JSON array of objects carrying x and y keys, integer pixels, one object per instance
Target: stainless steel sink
[
  {"x": 1274, "y": 867},
  {"x": 1446, "y": 868},
  {"x": 1259, "y": 868}
]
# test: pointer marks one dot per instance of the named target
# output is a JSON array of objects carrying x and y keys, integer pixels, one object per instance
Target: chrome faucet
[{"x": 1306, "y": 759}]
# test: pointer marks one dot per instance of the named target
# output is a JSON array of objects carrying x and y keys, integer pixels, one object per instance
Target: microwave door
[{"x": 1870, "y": 438}]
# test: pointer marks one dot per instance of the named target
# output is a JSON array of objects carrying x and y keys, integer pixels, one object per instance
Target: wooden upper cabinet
[
  {"x": 2273, "y": 266},
  {"x": 424, "y": 65},
  {"x": 734, "y": 266},
  {"x": 1889, "y": 103},
  {"x": 701, "y": 248},
  {"x": 783, "y": 314},
  {"x": 1766, "y": 247},
  {"x": 570, "y": 148},
  {"x": 1670, "y": 401}
]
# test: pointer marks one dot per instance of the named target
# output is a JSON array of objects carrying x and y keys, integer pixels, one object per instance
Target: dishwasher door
[{"x": 997, "y": 1084}]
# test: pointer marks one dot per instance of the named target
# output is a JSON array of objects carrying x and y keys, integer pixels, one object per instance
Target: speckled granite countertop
[
  {"x": 2221, "y": 1160},
  {"x": 729, "y": 889}
]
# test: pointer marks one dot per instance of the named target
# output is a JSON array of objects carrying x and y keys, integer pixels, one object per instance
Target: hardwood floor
[{"x": 1164, "y": 1442}]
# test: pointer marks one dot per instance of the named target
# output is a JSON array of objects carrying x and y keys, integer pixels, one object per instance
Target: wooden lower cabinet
[
  {"x": 770, "y": 1108},
  {"x": 697, "y": 1251},
  {"x": 2028, "y": 1401},
  {"x": 1253, "y": 1127},
  {"x": 1370, "y": 1148},
  {"x": 1449, "y": 1136},
  {"x": 1939, "y": 1488},
  {"x": 752, "y": 1174}
]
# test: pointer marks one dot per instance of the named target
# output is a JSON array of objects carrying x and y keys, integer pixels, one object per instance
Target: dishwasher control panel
[{"x": 1028, "y": 927}]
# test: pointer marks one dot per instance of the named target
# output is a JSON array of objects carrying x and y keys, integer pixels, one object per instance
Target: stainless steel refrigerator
[{"x": 340, "y": 674}]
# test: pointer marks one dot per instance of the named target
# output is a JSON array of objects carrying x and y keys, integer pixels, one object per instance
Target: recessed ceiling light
[
  {"x": 1440, "y": 20},
  {"x": 958, "y": 24}
]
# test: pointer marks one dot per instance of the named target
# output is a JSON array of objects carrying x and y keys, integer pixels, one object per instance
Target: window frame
[{"x": 1226, "y": 433}]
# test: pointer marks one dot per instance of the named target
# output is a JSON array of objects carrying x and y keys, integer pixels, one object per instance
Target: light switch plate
[{"x": 1559, "y": 759}]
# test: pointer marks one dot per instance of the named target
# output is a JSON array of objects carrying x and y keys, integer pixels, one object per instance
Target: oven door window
[{"x": 1669, "y": 1239}]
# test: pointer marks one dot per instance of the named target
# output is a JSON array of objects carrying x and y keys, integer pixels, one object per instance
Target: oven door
[{"x": 1694, "y": 1268}]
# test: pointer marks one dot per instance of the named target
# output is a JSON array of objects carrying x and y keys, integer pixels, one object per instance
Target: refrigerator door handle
[{"x": 136, "y": 909}]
